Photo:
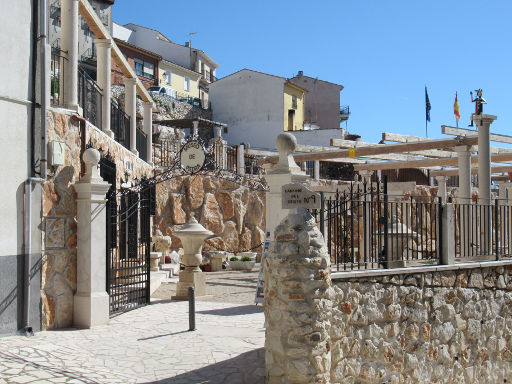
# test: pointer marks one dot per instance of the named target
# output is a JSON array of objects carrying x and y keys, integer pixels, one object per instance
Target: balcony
[
  {"x": 344, "y": 113},
  {"x": 208, "y": 76}
]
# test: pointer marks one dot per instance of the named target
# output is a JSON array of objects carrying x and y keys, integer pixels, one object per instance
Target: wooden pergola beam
[
  {"x": 359, "y": 144},
  {"x": 399, "y": 138},
  {"x": 474, "y": 170},
  {"x": 99, "y": 30},
  {"x": 426, "y": 163},
  {"x": 382, "y": 149},
  {"x": 447, "y": 130}
]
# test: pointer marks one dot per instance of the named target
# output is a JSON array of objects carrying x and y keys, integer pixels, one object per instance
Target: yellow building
[
  {"x": 293, "y": 107},
  {"x": 183, "y": 82}
]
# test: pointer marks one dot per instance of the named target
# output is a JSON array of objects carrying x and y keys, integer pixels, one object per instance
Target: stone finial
[
  {"x": 286, "y": 144},
  {"x": 91, "y": 158}
]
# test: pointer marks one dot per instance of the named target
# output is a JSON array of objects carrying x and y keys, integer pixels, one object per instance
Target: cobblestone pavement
[
  {"x": 224, "y": 286},
  {"x": 148, "y": 345}
]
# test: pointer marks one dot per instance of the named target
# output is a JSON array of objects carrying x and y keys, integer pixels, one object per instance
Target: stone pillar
[
  {"x": 483, "y": 123},
  {"x": 91, "y": 302},
  {"x": 218, "y": 132},
  {"x": 195, "y": 129},
  {"x": 148, "y": 129},
  {"x": 441, "y": 188},
  {"x": 365, "y": 245},
  {"x": 464, "y": 197},
  {"x": 448, "y": 229},
  {"x": 316, "y": 169},
  {"x": 130, "y": 103},
  {"x": 104, "y": 78},
  {"x": 286, "y": 171},
  {"x": 298, "y": 303},
  {"x": 240, "y": 159},
  {"x": 69, "y": 45}
]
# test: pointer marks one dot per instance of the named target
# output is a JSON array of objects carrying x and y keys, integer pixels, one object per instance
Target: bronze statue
[{"x": 479, "y": 104}]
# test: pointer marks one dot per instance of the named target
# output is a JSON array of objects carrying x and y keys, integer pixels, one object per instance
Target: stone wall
[
  {"x": 234, "y": 213},
  {"x": 433, "y": 326},
  {"x": 436, "y": 324},
  {"x": 59, "y": 214}
]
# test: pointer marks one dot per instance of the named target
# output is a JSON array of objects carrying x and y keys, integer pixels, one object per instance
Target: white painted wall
[
  {"x": 318, "y": 137},
  {"x": 15, "y": 83},
  {"x": 251, "y": 104}
]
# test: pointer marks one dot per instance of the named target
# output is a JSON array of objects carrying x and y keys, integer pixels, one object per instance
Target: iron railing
[
  {"x": 57, "y": 65},
  {"x": 141, "y": 144},
  {"x": 252, "y": 166},
  {"x": 483, "y": 230},
  {"x": 345, "y": 110},
  {"x": 120, "y": 124},
  {"x": 89, "y": 98}
]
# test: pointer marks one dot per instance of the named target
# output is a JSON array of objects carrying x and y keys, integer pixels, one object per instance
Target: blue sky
[{"x": 382, "y": 52}]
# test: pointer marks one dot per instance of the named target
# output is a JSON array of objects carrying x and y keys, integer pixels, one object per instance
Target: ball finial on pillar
[{"x": 91, "y": 158}]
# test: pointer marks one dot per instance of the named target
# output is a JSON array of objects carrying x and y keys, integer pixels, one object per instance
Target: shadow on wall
[{"x": 247, "y": 368}]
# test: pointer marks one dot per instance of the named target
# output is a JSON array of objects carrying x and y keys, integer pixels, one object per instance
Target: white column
[
  {"x": 130, "y": 103},
  {"x": 195, "y": 129},
  {"x": 316, "y": 169},
  {"x": 464, "y": 160},
  {"x": 286, "y": 171},
  {"x": 364, "y": 253},
  {"x": 218, "y": 132},
  {"x": 91, "y": 302},
  {"x": 441, "y": 188},
  {"x": 240, "y": 159},
  {"x": 69, "y": 44},
  {"x": 148, "y": 128},
  {"x": 104, "y": 69}
]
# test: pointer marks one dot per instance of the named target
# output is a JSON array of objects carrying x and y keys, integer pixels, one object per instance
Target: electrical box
[{"x": 57, "y": 153}]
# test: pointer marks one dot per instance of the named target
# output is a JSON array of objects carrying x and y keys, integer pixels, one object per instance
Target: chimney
[
  {"x": 187, "y": 44},
  {"x": 300, "y": 73}
]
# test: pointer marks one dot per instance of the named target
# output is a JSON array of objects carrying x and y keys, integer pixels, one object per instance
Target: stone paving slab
[{"x": 146, "y": 345}]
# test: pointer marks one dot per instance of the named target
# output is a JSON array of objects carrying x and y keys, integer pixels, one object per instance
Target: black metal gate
[{"x": 128, "y": 243}]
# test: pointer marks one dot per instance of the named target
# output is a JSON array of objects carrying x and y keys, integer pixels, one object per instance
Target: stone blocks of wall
[
  {"x": 297, "y": 303},
  {"x": 430, "y": 327},
  {"x": 234, "y": 213}
]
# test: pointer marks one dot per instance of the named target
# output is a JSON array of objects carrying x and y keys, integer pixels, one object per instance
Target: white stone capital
[{"x": 103, "y": 43}]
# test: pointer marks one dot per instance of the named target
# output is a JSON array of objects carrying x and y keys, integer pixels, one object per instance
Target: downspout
[{"x": 44, "y": 78}]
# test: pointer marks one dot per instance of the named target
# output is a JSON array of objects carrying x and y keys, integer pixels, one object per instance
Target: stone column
[
  {"x": 69, "y": 45},
  {"x": 286, "y": 171},
  {"x": 448, "y": 231},
  {"x": 130, "y": 103},
  {"x": 104, "y": 68},
  {"x": 195, "y": 129},
  {"x": 218, "y": 132},
  {"x": 364, "y": 252},
  {"x": 148, "y": 128},
  {"x": 316, "y": 169},
  {"x": 441, "y": 188},
  {"x": 91, "y": 302},
  {"x": 464, "y": 197},
  {"x": 483, "y": 123},
  {"x": 240, "y": 159},
  {"x": 298, "y": 304}
]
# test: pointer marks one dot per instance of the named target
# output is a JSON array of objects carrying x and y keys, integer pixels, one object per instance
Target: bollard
[{"x": 191, "y": 309}]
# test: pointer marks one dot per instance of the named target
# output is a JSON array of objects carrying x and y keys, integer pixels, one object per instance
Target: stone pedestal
[
  {"x": 192, "y": 236},
  {"x": 91, "y": 301},
  {"x": 154, "y": 259},
  {"x": 216, "y": 261}
]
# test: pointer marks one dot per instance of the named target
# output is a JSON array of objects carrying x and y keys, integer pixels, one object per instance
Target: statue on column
[{"x": 479, "y": 104}]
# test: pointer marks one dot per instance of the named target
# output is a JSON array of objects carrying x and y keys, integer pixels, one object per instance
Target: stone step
[{"x": 156, "y": 279}]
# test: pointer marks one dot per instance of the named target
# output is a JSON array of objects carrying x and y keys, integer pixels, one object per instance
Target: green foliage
[
  {"x": 246, "y": 258},
  {"x": 234, "y": 258}
]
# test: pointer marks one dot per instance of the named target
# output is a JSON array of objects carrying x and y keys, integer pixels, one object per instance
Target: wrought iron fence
[
  {"x": 57, "y": 65},
  {"x": 89, "y": 98},
  {"x": 165, "y": 150},
  {"x": 231, "y": 158},
  {"x": 483, "y": 230},
  {"x": 252, "y": 166},
  {"x": 141, "y": 144},
  {"x": 120, "y": 124},
  {"x": 366, "y": 228}
]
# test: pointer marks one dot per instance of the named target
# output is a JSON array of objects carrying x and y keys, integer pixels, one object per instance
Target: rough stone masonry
[{"x": 437, "y": 324}]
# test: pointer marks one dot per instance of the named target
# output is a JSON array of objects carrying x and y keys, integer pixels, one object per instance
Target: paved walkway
[{"x": 147, "y": 345}]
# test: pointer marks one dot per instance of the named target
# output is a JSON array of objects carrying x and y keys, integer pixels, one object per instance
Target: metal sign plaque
[
  {"x": 192, "y": 157},
  {"x": 297, "y": 195}
]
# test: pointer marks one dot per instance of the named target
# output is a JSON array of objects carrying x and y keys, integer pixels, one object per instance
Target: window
[
  {"x": 168, "y": 77},
  {"x": 186, "y": 85},
  {"x": 294, "y": 102},
  {"x": 144, "y": 68}
]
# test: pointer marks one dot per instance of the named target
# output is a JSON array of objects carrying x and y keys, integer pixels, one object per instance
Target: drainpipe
[{"x": 44, "y": 79}]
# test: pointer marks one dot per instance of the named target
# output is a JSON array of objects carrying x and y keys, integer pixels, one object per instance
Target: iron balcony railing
[
  {"x": 57, "y": 64},
  {"x": 89, "y": 98},
  {"x": 345, "y": 110},
  {"x": 120, "y": 124},
  {"x": 141, "y": 144}
]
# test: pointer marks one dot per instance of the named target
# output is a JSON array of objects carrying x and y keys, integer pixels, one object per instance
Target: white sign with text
[{"x": 297, "y": 195}]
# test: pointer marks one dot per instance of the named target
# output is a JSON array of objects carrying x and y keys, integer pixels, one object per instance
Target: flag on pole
[
  {"x": 427, "y": 105},
  {"x": 456, "y": 108}
]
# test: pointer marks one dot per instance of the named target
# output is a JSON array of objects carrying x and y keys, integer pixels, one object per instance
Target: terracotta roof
[{"x": 122, "y": 43}]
